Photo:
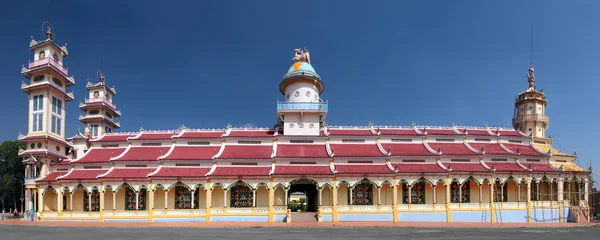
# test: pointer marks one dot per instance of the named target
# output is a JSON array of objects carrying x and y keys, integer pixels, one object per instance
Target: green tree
[{"x": 11, "y": 175}]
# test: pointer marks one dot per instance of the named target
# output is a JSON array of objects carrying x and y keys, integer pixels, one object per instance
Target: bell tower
[
  {"x": 46, "y": 87},
  {"x": 100, "y": 112},
  {"x": 530, "y": 111},
  {"x": 302, "y": 112}
]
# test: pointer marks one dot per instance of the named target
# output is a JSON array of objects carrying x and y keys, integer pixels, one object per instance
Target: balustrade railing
[
  {"x": 29, "y": 181},
  {"x": 101, "y": 100},
  {"x": 531, "y": 117},
  {"x": 51, "y": 62},
  {"x": 306, "y": 106}
]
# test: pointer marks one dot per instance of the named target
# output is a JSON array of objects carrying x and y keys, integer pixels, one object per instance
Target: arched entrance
[{"x": 303, "y": 195}]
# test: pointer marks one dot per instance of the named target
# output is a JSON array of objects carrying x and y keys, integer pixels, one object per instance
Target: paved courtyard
[{"x": 26, "y": 232}]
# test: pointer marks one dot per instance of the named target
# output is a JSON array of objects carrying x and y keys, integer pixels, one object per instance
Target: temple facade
[{"x": 365, "y": 173}]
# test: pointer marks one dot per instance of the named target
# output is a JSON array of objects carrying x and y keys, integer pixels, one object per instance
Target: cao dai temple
[{"x": 368, "y": 173}]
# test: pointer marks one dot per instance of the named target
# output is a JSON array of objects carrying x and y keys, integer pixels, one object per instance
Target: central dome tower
[{"x": 303, "y": 111}]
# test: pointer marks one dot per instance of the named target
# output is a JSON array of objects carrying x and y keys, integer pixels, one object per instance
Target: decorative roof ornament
[
  {"x": 370, "y": 124},
  {"x": 49, "y": 34},
  {"x": 141, "y": 129},
  {"x": 229, "y": 126},
  {"x": 531, "y": 77},
  {"x": 301, "y": 55},
  {"x": 413, "y": 125},
  {"x": 101, "y": 77},
  {"x": 183, "y": 127},
  {"x": 452, "y": 124}
]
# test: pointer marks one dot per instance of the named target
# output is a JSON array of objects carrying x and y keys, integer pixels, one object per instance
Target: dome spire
[{"x": 49, "y": 33}]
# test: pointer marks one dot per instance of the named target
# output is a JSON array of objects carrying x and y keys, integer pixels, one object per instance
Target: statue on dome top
[
  {"x": 530, "y": 76},
  {"x": 301, "y": 55}
]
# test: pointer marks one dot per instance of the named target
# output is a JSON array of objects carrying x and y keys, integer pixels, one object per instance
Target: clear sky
[{"x": 204, "y": 64}]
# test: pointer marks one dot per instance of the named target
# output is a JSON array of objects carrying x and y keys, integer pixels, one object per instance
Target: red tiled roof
[
  {"x": 143, "y": 154},
  {"x": 451, "y": 148},
  {"x": 539, "y": 167},
  {"x": 505, "y": 166},
  {"x": 41, "y": 153},
  {"x": 192, "y": 153},
  {"x": 190, "y": 172},
  {"x": 154, "y": 136},
  {"x": 350, "y": 132},
  {"x": 241, "y": 171},
  {"x": 51, "y": 177},
  {"x": 82, "y": 174},
  {"x": 251, "y": 133},
  {"x": 112, "y": 138},
  {"x": 440, "y": 132},
  {"x": 128, "y": 173},
  {"x": 513, "y": 133},
  {"x": 362, "y": 169},
  {"x": 466, "y": 167},
  {"x": 100, "y": 155},
  {"x": 301, "y": 151},
  {"x": 356, "y": 150},
  {"x": 247, "y": 152},
  {"x": 479, "y": 132},
  {"x": 207, "y": 134},
  {"x": 419, "y": 168},
  {"x": 391, "y": 131},
  {"x": 302, "y": 170},
  {"x": 490, "y": 148},
  {"x": 525, "y": 150},
  {"x": 64, "y": 162},
  {"x": 407, "y": 149}
]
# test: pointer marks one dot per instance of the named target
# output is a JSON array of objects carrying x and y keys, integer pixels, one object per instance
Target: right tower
[
  {"x": 302, "y": 112},
  {"x": 530, "y": 111}
]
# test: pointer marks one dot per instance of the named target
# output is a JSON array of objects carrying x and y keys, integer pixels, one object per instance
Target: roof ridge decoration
[
  {"x": 438, "y": 152},
  {"x": 518, "y": 162},
  {"x": 155, "y": 171},
  {"x": 419, "y": 132},
  {"x": 441, "y": 165},
  {"x": 121, "y": 155},
  {"x": 228, "y": 131},
  {"x": 492, "y": 169},
  {"x": 332, "y": 168},
  {"x": 508, "y": 149},
  {"x": 212, "y": 169},
  {"x": 162, "y": 157},
  {"x": 482, "y": 152},
  {"x": 106, "y": 173},
  {"x": 389, "y": 165},
  {"x": 84, "y": 154},
  {"x": 455, "y": 129},
  {"x": 383, "y": 151},
  {"x": 68, "y": 173},
  {"x": 326, "y": 131},
  {"x": 274, "y": 149},
  {"x": 329, "y": 149},
  {"x": 547, "y": 154},
  {"x": 221, "y": 149},
  {"x": 376, "y": 133},
  {"x": 180, "y": 134}
]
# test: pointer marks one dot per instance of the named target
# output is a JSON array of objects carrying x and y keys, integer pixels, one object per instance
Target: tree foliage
[{"x": 11, "y": 175}]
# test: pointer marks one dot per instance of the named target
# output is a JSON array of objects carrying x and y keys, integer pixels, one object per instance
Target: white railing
[
  {"x": 125, "y": 213},
  {"x": 179, "y": 212},
  {"x": 262, "y": 210},
  {"x": 95, "y": 214},
  {"x": 282, "y": 209},
  {"x": 108, "y": 213},
  {"x": 50, "y": 214},
  {"x": 101, "y": 100},
  {"x": 422, "y": 206},
  {"x": 159, "y": 212},
  {"x": 531, "y": 117},
  {"x": 51, "y": 62},
  {"x": 364, "y": 208},
  {"x": 470, "y": 206},
  {"x": 239, "y": 210},
  {"x": 326, "y": 209},
  {"x": 80, "y": 214},
  {"x": 386, "y": 208},
  {"x": 402, "y": 207},
  {"x": 217, "y": 210},
  {"x": 439, "y": 207},
  {"x": 200, "y": 211},
  {"x": 344, "y": 208},
  {"x": 29, "y": 181},
  {"x": 142, "y": 213}
]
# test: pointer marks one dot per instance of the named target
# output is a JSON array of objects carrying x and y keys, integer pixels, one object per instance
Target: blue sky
[{"x": 205, "y": 64}]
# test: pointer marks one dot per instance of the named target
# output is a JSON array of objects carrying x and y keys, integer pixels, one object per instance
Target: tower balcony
[
  {"x": 302, "y": 106},
  {"x": 88, "y": 118},
  {"x": 531, "y": 117},
  {"x": 47, "y": 62}
]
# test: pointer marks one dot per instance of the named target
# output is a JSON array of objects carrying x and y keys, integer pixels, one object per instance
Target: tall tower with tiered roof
[
  {"x": 46, "y": 86},
  {"x": 100, "y": 112},
  {"x": 530, "y": 111},
  {"x": 302, "y": 112}
]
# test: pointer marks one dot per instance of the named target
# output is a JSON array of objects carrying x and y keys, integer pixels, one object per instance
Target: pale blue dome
[{"x": 301, "y": 66}]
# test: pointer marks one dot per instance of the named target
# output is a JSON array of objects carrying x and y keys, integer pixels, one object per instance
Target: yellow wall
[
  {"x": 78, "y": 200},
  {"x": 159, "y": 198},
  {"x": 262, "y": 197},
  {"x": 486, "y": 192},
  {"x": 50, "y": 201},
  {"x": 171, "y": 198},
  {"x": 474, "y": 191},
  {"x": 217, "y": 197},
  {"x": 120, "y": 199},
  {"x": 511, "y": 191},
  {"x": 327, "y": 197},
  {"x": 428, "y": 194},
  {"x": 440, "y": 194},
  {"x": 387, "y": 195},
  {"x": 279, "y": 199},
  {"x": 108, "y": 200},
  {"x": 201, "y": 198},
  {"x": 343, "y": 195}
]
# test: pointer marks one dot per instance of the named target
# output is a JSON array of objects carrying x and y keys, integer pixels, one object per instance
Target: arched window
[
  {"x": 183, "y": 197},
  {"x": 417, "y": 193},
  {"x": 41, "y": 55},
  {"x": 94, "y": 206},
  {"x": 55, "y": 57},
  {"x": 241, "y": 196},
  {"x": 362, "y": 193},
  {"x": 460, "y": 193}
]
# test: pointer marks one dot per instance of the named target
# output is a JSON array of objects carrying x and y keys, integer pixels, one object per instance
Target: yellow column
[
  {"x": 208, "y": 200},
  {"x": 492, "y": 208},
  {"x": 395, "y": 199},
  {"x": 101, "y": 211},
  {"x": 59, "y": 203},
  {"x": 528, "y": 200},
  {"x": 150, "y": 203},
  {"x": 271, "y": 200},
  {"x": 448, "y": 212},
  {"x": 334, "y": 214},
  {"x": 40, "y": 201}
]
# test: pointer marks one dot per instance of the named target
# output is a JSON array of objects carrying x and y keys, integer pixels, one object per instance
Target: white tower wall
[
  {"x": 306, "y": 124},
  {"x": 301, "y": 92}
]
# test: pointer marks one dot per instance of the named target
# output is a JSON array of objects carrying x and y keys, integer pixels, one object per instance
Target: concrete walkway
[{"x": 298, "y": 224}]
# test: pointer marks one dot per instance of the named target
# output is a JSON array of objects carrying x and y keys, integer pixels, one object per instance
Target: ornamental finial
[
  {"x": 301, "y": 55},
  {"x": 370, "y": 124},
  {"x": 531, "y": 77},
  {"x": 49, "y": 34},
  {"x": 229, "y": 126}
]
